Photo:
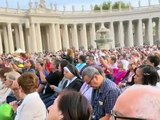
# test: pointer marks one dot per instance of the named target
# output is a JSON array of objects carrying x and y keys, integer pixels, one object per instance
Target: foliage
[{"x": 107, "y": 5}]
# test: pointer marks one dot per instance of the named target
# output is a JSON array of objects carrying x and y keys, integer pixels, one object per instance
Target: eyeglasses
[
  {"x": 89, "y": 82},
  {"x": 116, "y": 117}
]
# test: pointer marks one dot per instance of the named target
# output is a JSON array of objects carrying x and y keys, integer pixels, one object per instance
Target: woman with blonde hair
[{"x": 70, "y": 56}]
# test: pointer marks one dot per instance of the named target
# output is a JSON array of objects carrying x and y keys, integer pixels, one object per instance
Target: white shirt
[
  {"x": 4, "y": 92},
  {"x": 32, "y": 108},
  {"x": 158, "y": 85}
]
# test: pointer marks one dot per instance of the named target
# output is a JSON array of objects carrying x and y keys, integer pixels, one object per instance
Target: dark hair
[
  {"x": 28, "y": 82},
  {"x": 74, "y": 106},
  {"x": 56, "y": 62},
  {"x": 32, "y": 64},
  {"x": 154, "y": 59},
  {"x": 150, "y": 75},
  {"x": 63, "y": 63},
  {"x": 82, "y": 58},
  {"x": 91, "y": 57}
]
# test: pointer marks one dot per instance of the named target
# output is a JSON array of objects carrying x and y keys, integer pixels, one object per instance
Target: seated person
[
  {"x": 67, "y": 107},
  {"x": 8, "y": 82},
  {"x": 139, "y": 102},
  {"x": 28, "y": 83},
  {"x": 4, "y": 91}
]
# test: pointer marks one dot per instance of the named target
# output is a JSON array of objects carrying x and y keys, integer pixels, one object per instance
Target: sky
[{"x": 68, "y": 3}]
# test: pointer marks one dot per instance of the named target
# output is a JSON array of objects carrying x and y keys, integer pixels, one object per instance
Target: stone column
[
  {"x": 158, "y": 29},
  {"x": 65, "y": 38},
  {"x": 84, "y": 37},
  {"x": 6, "y": 43},
  {"x": 27, "y": 39},
  {"x": 130, "y": 34},
  {"x": 93, "y": 35},
  {"x": 1, "y": 48},
  {"x": 53, "y": 45},
  {"x": 59, "y": 43},
  {"x": 21, "y": 35},
  {"x": 75, "y": 37},
  {"x": 112, "y": 34},
  {"x": 150, "y": 31},
  {"x": 33, "y": 43},
  {"x": 39, "y": 38},
  {"x": 140, "y": 33},
  {"x": 17, "y": 37},
  {"x": 121, "y": 34},
  {"x": 10, "y": 38}
]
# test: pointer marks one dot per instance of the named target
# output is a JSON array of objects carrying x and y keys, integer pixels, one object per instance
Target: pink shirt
[{"x": 118, "y": 75}]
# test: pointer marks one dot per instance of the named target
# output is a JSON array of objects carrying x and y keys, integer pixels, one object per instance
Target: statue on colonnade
[{"x": 42, "y": 4}]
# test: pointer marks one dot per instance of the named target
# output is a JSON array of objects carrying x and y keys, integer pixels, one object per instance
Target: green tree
[
  {"x": 106, "y": 5},
  {"x": 96, "y": 7},
  {"x": 123, "y": 5}
]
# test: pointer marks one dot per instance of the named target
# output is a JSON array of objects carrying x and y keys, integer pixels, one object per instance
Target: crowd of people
[{"x": 120, "y": 83}]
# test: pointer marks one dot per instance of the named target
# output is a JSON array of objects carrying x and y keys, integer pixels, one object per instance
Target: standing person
[
  {"x": 104, "y": 95},
  {"x": 69, "y": 57},
  {"x": 28, "y": 110}
]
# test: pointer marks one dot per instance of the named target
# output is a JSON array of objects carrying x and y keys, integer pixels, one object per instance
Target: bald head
[{"x": 139, "y": 101}]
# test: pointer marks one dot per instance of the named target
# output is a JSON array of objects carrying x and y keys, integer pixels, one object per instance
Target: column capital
[
  {"x": 84, "y": 23},
  {"x": 75, "y": 23},
  {"x": 52, "y": 23},
  {"x": 8, "y": 23},
  {"x": 37, "y": 23},
  {"x": 65, "y": 24},
  {"x": 20, "y": 23}
]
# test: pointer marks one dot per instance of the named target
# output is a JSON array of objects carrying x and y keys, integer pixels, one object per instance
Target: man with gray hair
[
  {"x": 139, "y": 102},
  {"x": 104, "y": 95}
]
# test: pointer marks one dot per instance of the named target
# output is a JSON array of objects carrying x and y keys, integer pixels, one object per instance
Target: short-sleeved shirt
[{"x": 103, "y": 99}]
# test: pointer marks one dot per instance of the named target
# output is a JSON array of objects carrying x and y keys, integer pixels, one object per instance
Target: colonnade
[{"x": 56, "y": 36}]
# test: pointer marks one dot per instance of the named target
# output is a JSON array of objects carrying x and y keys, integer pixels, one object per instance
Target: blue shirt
[
  {"x": 79, "y": 66},
  {"x": 103, "y": 99},
  {"x": 30, "y": 70}
]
